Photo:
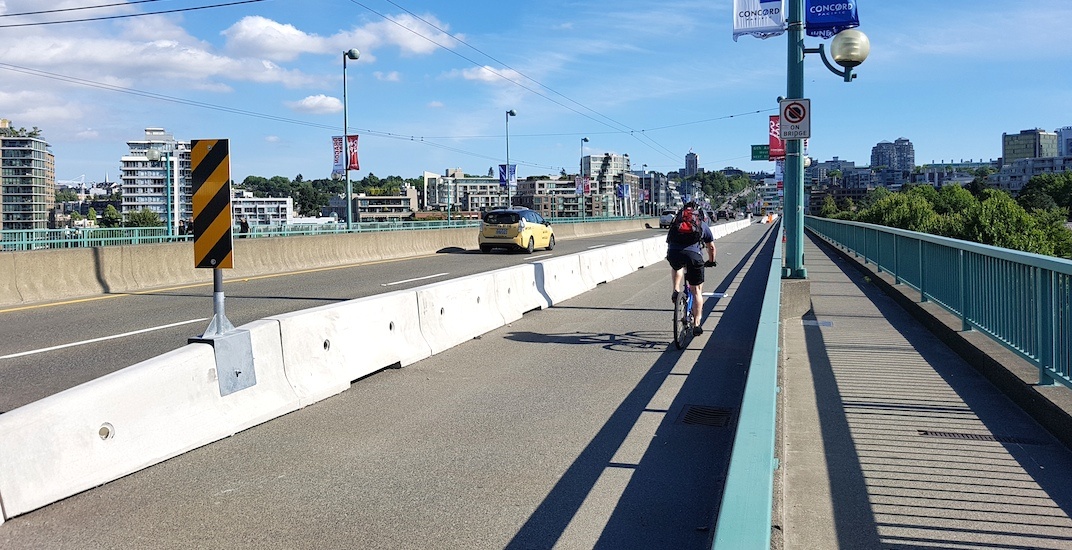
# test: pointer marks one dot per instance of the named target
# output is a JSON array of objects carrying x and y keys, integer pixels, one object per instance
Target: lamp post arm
[{"x": 846, "y": 74}]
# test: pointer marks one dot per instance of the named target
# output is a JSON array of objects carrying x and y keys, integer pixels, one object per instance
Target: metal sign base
[{"x": 234, "y": 359}]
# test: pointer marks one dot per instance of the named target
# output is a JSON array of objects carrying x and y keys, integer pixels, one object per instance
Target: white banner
[{"x": 759, "y": 18}]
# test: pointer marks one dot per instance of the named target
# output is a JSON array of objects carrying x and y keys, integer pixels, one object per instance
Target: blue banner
[
  {"x": 504, "y": 178},
  {"x": 825, "y": 18}
]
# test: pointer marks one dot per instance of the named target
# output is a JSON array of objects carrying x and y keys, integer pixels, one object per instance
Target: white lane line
[
  {"x": 596, "y": 246},
  {"x": 102, "y": 338},
  {"x": 530, "y": 258},
  {"x": 417, "y": 279}
]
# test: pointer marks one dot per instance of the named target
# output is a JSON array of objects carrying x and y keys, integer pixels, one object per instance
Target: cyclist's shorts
[{"x": 691, "y": 260}]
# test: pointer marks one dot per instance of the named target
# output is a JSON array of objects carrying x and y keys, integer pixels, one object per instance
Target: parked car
[
  {"x": 666, "y": 218},
  {"x": 515, "y": 228},
  {"x": 723, "y": 215}
]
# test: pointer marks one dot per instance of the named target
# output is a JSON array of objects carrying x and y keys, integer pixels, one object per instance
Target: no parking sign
[{"x": 795, "y": 118}]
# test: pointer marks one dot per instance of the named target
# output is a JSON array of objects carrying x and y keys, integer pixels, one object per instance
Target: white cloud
[
  {"x": 487, "y": 74},
  {"x": 436, "y": 104},
  {"x": 260, "y": 37},
  {"x": 316, "y": 105},
  {"x": 272, "y": 139},
  {"x": 392, "y": 76}
]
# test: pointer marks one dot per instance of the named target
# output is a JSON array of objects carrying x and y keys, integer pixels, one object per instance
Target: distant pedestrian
[{"x": 243, "y": 228}]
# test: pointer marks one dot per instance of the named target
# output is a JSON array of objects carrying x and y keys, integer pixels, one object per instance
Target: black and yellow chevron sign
[{"x": 210, "y": 164}]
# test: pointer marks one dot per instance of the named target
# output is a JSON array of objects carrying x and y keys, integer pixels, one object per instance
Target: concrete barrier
[
  {"x": 559, "y": 279},
  {"x": 458, "y": 310},
  {"x": 133, "y": 418},
  {"x": 516, "y": 292},
  {"x": 325, "y": 348}
]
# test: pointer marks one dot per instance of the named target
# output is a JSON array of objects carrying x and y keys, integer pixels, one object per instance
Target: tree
[
  {"x": 75, "y": 216},
  {"x": 144, "y": 218},
  {"x": 1002, "y": 222},
  {"x": 904, "y": 210},
  {"x": 66, "y": 195},
  {"x": 111, "y": 217},
  {"x": 91, "y": 215},
  {"x": 829, "y": 207}
]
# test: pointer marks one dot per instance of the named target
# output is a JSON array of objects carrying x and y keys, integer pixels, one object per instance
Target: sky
[{"x": 434, "y": 81}]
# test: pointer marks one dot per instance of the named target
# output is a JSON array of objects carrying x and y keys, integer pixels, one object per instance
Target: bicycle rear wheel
[{"x": 682, "y": 319}]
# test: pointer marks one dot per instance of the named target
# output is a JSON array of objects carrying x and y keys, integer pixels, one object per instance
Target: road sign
[
  {"x": 761, "y": 152},
  {"x": 795, "y": 118},
  {"x": 210, "y": 164}
]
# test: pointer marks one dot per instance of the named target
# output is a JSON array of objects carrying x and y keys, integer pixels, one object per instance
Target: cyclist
[{"x": 685, "y": 258}]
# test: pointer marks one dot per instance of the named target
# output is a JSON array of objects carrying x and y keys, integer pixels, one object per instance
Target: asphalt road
[
  {"x": 49, "y": 347},
  {"x": 579, "y": 426}
]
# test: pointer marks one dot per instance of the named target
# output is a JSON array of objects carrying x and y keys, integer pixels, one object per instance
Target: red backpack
[{"x": 686, "y": 228}]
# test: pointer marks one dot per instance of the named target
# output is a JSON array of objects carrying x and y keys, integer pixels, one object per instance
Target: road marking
[
  {"x": 596, "y": 246},
  {"x": 101, "y": 339},
  {"x": 530, "y": 258},
  {"x": 412, "y": 280}
]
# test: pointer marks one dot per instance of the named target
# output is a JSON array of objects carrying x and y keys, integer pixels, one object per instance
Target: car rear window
[{"x": 501, "y": 218}]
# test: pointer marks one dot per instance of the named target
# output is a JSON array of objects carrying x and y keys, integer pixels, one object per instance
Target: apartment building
[{"x": 27, "y": 178}]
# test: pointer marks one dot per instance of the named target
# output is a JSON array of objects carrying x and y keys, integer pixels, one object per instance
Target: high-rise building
[
  {"x": 163, "y": 186},
  {"x": 692, "y": 164},
  {"x": 1028, "y": 144},
  {"x": 27, "y": 179},
  {"x": 1064, "y": 141},
  {"x": 899, "y": 155}
]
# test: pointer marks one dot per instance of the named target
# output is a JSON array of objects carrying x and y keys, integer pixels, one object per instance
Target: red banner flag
[
  {"x": 777, "y": 146},
  {"x": 351, "y": 153}
]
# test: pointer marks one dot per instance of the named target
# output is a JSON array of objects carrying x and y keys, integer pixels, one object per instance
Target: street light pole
[
  {"x": 794, "y": 164},
  {"x": 580, "y": 175},
  {"x": 849, "y": 48},
  {"x": 156, "y": 155},
  {"x": 349, "y": 54},
  {"x": 509, "y": 199}
]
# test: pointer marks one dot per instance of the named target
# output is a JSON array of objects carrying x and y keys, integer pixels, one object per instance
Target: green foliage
[
  {"x": 111, "y": 217},
  {"x": 829, "y": 208},
  {"x": 75, "y": 216},
  {"x": 1058, "y": 187},
  {"x": 66, "y": 195},
  {"x": 91, "y": 215},
  {"x": 143, "y": 218},
  {"x": 1035, "y": 223},
  {"x": 911, "y": 211}
]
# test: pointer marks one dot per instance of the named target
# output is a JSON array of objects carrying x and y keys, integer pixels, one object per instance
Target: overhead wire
[
  {"x": 627, "y": 129},
  {"x": 128, "y": 15}
]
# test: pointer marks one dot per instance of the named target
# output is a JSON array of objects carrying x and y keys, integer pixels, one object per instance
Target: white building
[
  {"x": 1064, "y": 141},
  {"x": 163, "y": 186},
  {"x": 262, "y": 210},
  {"x": 28, "y": 181},
  {"x": 1013, "y": 176}
]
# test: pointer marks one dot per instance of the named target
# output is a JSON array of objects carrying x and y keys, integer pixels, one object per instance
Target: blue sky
[{"x": 651, "y": 79}]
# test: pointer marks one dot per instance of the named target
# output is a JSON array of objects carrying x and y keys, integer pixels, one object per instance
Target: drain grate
[
  {"x": 979, "y": 437},
  {"x": 698, "y": 415}
]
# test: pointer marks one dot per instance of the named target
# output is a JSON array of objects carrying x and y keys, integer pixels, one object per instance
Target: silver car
[{"x": 666, "y": 219}]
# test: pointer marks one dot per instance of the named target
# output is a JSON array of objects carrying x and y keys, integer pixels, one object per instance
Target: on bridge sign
[{"x": 795, "y": 118}]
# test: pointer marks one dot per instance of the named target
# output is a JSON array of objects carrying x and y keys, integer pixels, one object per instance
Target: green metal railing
[
  {"x": 1021, "y": 300},
  {"x": 43, "y": 239},
  {"x": 744, "y": 517}
]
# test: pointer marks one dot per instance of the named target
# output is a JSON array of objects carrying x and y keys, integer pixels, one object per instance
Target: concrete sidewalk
[{"x": 891, "y": 440}]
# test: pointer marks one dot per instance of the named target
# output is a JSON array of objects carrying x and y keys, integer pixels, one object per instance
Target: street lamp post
[
  {"x": 849, "y": 48},
  {"x": 349, "y": 54},
  {"x": 156, "y": 155},
  {"x": 580, "y": 175},
  {"x": 509, "y": 199}
]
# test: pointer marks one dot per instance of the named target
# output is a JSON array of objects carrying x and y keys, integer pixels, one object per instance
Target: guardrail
[
  {"x": 88, "y": 237},
  {"x": 744, "y": 517},
  {"x": 1021, "y": 300}
]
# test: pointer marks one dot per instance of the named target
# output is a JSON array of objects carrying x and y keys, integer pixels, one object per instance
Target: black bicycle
[{"x": 683, "y": 322}]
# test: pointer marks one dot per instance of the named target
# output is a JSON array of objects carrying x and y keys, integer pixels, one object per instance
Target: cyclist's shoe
[
  {"x": 711, "y": 263},
  {"x": 697, "y": 330},
  {"x": 673, "y": 297}
]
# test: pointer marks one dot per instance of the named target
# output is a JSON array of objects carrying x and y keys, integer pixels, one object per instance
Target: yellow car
[{"x": 515, "y": 228}]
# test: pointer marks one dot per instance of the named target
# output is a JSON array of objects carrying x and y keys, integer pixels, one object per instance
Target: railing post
[
  {"x": 922, "y": 273},
  {"x": 962, "y": 270},
  {"x": 1047, "y": 338},
  {"x": 896, "y": 260}
]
